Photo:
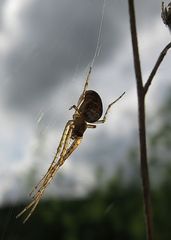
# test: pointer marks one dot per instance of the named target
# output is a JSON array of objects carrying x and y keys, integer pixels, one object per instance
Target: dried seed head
[{"x": 166, "y": 14}]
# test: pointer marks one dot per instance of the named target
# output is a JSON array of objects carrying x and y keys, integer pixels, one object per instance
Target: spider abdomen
[{"x": 91, "y": 108}]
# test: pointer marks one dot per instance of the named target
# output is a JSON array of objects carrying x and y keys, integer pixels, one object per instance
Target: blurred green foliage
[{"x": 114, "y": 212}]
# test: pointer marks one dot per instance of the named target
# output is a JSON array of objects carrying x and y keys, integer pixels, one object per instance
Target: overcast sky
[{"x": 45, "y": 50}]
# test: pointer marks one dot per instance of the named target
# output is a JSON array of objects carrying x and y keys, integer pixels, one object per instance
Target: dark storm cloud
[{"x": 56, "y": 36}]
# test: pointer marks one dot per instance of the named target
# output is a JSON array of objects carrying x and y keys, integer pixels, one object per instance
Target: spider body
[
  {"x": 92, "y": 107},
  {"x": 87, "y": 113}
]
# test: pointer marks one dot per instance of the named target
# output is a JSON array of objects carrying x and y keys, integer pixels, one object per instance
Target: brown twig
[
  {"x": 156, "y": 66},
  {"x": 142, "y": 127}
]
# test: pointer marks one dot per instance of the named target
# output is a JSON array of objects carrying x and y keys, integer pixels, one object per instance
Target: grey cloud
[
  {"x": 57, "y": 35},
  {"x": 147, "y": 11}
]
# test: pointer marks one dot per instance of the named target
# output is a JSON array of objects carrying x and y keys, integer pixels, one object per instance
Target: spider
[
  {"x": 87, "y": 113},
  {"x": 166, "y": 14}
]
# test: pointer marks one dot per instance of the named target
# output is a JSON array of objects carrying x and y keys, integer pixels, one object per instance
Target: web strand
[{"x": 98, "y": 45}]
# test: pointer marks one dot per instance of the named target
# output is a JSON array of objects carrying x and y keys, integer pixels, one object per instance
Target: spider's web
[{"x": 98, "y": 46}]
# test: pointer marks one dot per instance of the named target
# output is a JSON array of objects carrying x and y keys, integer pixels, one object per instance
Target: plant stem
[
  {"x": 156, "y": 66},
  {"x": 142, "y": 127}
]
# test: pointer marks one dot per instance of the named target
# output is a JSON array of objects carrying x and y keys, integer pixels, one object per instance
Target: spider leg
[
  {"x": 70, "y": 150},
  {"x": 64, "y": 156},
  {"x": 82, "y": 96},
  {"x": 91, "y": 126},
  {"x": 54, "y": 169},
  {"x": 66, "y": 153},
  {"x": 32, "y": 205},
  {"x": 65, "y": 137},
  {"x": 85, "y": 87},
  {"x": 76, "y": 109},
  {"x": 62, "y": 141},
  {"x": 55, "y": 165},
  {"x": 108, "y": 108},
  {"x": 51, "y": 171}
]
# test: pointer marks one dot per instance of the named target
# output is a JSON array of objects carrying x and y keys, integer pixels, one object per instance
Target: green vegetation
[{"x": 112, "y": 213}]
